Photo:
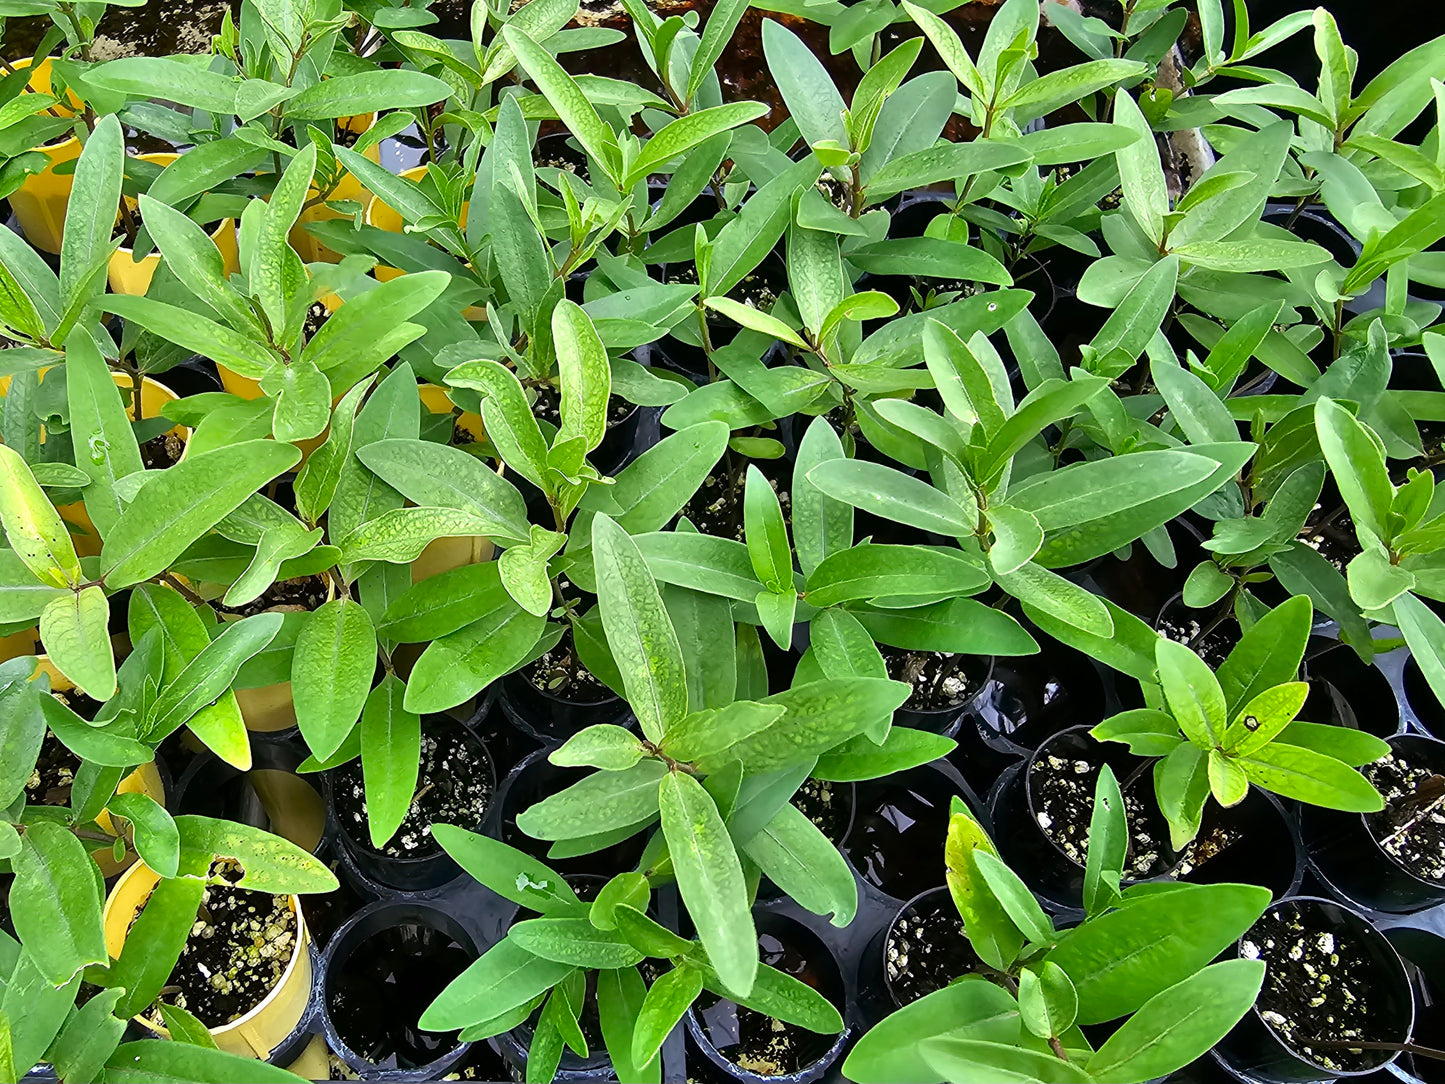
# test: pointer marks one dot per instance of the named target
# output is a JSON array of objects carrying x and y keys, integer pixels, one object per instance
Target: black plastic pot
[
  {"x": 1348, "y": 857},
  {"x": 979, "y": 670},
  {"x": 1210, "y": 632},
  {"x": 424, "y": 949},
  {"x": 1318, "y": 226},
  {"x": 1347, "y": 691},
  {"x": 715, "y": 1025},
  {"x": 891, "y": 964},
  {"x": 899, "y": 826},
  {"x": 428, "y": 868},
  {"x": 1036, "y": 696},
  {"x": 532, "y": 780},
  {"x": 1030, "y": 851},
  {"x": 1139, "y": 583},
  {"x": 1255, "y": 1051},
  {"x": 1412, "y": 371},
  {"x": 1422, "y": 700},
  {"x": 1424, "y": 954},
  {"x": 270, "y": 796},
  {"x": 689, "y": 360},
  {"x": 544, "y": 715}
]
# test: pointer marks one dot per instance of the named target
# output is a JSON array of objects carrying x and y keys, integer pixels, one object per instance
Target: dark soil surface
[
  {"x": 305, "y": 593},
  {"x": 1207, "y": 846},
  {"x": 1063, "y": 803},
  {"x": 1333, "y": 537},
  {"x": 560, "y": 673},
  {"x": 454, "y": 787},
  {"x": 316, "y": 315},
  {"x": 717, "y": 506},
  {"x": 755, "y": 1041},
  {"x": 162, "y": 452},
  {"x": 1317, "y": 985},
  {"x": 239, "y": 947},
  {"x": 548, "y": 407},
  {"x": 1192, "y": 629},
  {"x": 85, "y": 706},
  {"x": 757, "y": 290},
  {"x": 940, "y": 681},
  {"x": 1411, "y": 828},
  {"x": 827, "y": 805},
  {"x": 54, "y": 774},
  {"x": 379, "y": 993},
  {"x": 926, "y": 949}
]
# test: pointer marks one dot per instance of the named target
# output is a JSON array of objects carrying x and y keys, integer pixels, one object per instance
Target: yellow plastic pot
[
  {"x": 267, "y": 709},
  {"x": 143, "y": 780},
  {"x": 348, "y": 188},
  {"x": 265, "y": 1027},
  {"x": 40, "y": 202},
  {"x": 19, "y": 644},
  {"x": 445, "y": 554},
  {"x": 128, "y": 275}
]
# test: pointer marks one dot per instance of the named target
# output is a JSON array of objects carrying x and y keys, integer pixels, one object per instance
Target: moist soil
[
  {"x": 1317, "y": 985},
  {"x": 828, "y": 805},
  {"x": 1192, "y": 629},
  {"x": 454, "y": 786},
  {"x": 1411, "y": 827},
  {"x": 939, "y": 680},
  {"x": 756, "y": 290},
  {"x": 53, "y": 775},
  {"x": 717, "y": 506},
  {"x": 162, "y": 452},
  {"x": 316, "y": 315},
  {"x": 1062, "y": 790},
  {"x": 1332, "y": 537},
  {"x": 239, "y": 947},
  {"x": 926, "y": 949},
  {"x": 301, "y": 595},
  {"x": 548, "y": 407},
  {"x": 559, "y": 673},
  {"x": 1207, "y": 846},
  {"x": 757, "y": 1042},
  {"x": 377, "y": 995}
]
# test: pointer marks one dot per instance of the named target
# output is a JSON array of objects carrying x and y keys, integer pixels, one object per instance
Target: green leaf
[
  {"x": 821, "y": 525},
  {"x": 669, "y": 997},
  {"x": 102, "y": 745},
  {"x": 586, "y": 378},
  {"x": 207, "y": 676},
  {"x": 108, "y": 450},
  {"x": 943, "y": 161},
  {"x": 143, "y": 77},
  {"x": 86, "y": 1041},
  {"x": 460, "y": 664},
  {"x": 1357, "y": 464},
  {"x": 929, "y": 257},
  {"x": 973, "y": 1059},
  {"x": 1268, "y": 654},
  {"x": 813, "y": 101},
  {"x": 1048, "y": 1002},
  {"x": 1147, "y": 731},
  {"x": 1140, "y": 174},
  {"x": 512, "y": 874},
  {"x": 1424, "y": 633},
  {"x": 399, "y": 535},
  {"x": 158, "y": 1061},
  {"x": 1353, "y": 747},
  {"x": 598, "y": 803},
  {"x": 1263, "y": 717},
  {"x": 863, "y": 758},
  {"x": 686, "y": 132},
  {"x": 573, "y": 941},
  {"x": 1014, "y": 896},
  {"x": 89, "y": 222},
  {"x": 33, "y": 528},
  {"x": 755, "y": 320},
  {"x": 1179, "y": 1024},
  {"x": 766, "y": 533},
  {"x": 366, "y": 92},
  {"x": 55, "y": 902},
  {"x": 638, "y": 630},
  {"x": 884, "y": 491},
  {"x": 157, "y": 840},
  {"x": 74, "y": 630},
  {"x": 604, "y": 746},
  {"x": 508, "y": 416},
  {"x": 1108, "y": 843},
  {"x": 1195, "y": 699},
  {"x": 869, "y": 571},
  {"x": 568, "y": 99},
  {"x": 710, "y": 879},
  {"x": 795, "y": 855},
  {"x": 1121, "y": 959},
  {"x": 891, "y": 1050},
  {"x": 1049, "y": 593},
  {"x": 179, "y": 505},
  {"x": 390, "y": 754},
  {"x": 1307, "y": 776},
  {"x": 960, "y": 625},
  {"x": 331, "y": 673}
]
